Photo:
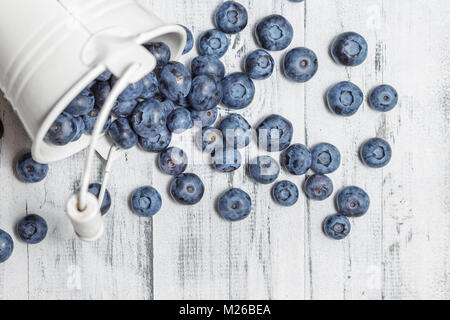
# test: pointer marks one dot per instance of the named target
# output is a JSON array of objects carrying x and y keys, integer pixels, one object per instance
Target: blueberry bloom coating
[
  {"x": 238, "y": 91},
  {"x": 275, "y": 133},
  {"x": 204, "y": 118},
  {"x": 80, "y": 128},
  {"x": 326, "y": 158},
  {"x": 124, "y": 109},
  {"x": 146, "y": 201},
  {"x": 264, "y": 169},
  {"x": 296, "y": 159},
  {"x": 175, "y": 81},
  {"x": 353, "y": 202},
  {"x": 231, "y": 17},
  {"x": 274, "y": 33},
  {"x": 285, "y": 193},
  {"x": 94, "y": 188},
  {"x": 189, "y": 41},
  {"x": 81, "y": 104},
  {"x": 236, "y": 131},
  {"x": 132, "y": 92},
  {"x": 32, "y": 229},
  {"x": 150, "y": 86},
  {"x": 187, "y": 189},
  {"x": 91, "y": 118},
  {"x": 179, "y": 120},
  {"x": 213, "y": 43},
  {"x": 173, "y": 161},
  {"x": 349, "y": 49},
  {"x": 227, "y": 160},
  {"x": 29, "y": 170},
  {"x": 235, "y": 205},
  {"x": 318, "y": 187},
  {"x": 6, "y": 246},
  {"x": 376, "y": 153},
  {"x": 160, "y": 51},
  {"x": 157, "y": 142},
  {"x": 101, "y": 91},
  {"x": 105, "y": 76},
  {"x": 122, "y": 134},
  {"x": 300, "y": 64},
  {"x": 206, "y": 93},
  {"x": 148, "y": 117},
  {"x": 345, "y": 98},
  {"x": 383, "y": 98},
  {"x": 336, "y": 226},
  {"x": 62, "y": 131},
  {"x": 212, "y": 140},
  {"x": 259, "y": 65},
  {"x": 209, "y": 66}
]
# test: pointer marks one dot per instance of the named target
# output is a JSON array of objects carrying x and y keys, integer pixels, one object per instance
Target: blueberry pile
[{"x": 172, "y": 98}]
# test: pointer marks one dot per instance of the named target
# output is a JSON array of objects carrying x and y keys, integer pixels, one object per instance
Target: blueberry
[
  {"x": 238, "y": 90},
  {"x": 236, "y": 131},
  {"x": 105, "y": 76},
  {"x": 336, "y": 226},
  {"x": 151, "y": 86},
  {"x": 6, "y": 246},
  {"x": 285, "y": 193},
  {"x": 122, "y": 134},
  {"x": 157, "y": 142},
  {"x": 300, "y": 64},
  {"x": 376, "y": 153},
  {"x": 32, "y": 229},
  {"x": 179, "y": 120},
  {"x": 206, "y": 93},
  {"x": 204, "y": 118},
  {"x": 213, "y": 43},
  {"x": 94, "y": 188},
  {"x": 29, "y": 170},
  {"x": 91, "y": 118},
  {"x": 227, "y": 160},
  {"x": 132, "y": 92},
  {"x": 264, "y": 169},
  {"x": 275, "y": 133},
  {"x": 274, "y": 33},
  {"x": 344, "y": 98},
  {"x": 353, "y": 202},
  {"x": 383, "y": 98},
  {"x": 212, "y": 140},
  {"x": 187, "y": 189},
  {"x": 62, "y": 131},
  {"x": 231, "y": 17},
  {"x": 318, "y": 187},
  {"x": 160, "y": 51},
  {"x": 82, "y": 104},
  {"x": 189, "y": 41},
  {"x": 259, "y": 65},
  {"x": 175, "y": 81},
  {"x": 235, "y": 205},
  {"x": 173, "y": 161},
  {"x": 349, "y": 49},
  {"x": 208, "y": 65},
  {"x": 124, "y": 109},
  {"x": 148, "y": 117},
  {"x": 80, "y": 128},
  {"x": 296, "y": 159},
  {"x": 101, "y": 90},
  {"x": 146, "y": 201},
  {"x": 326, "y": 158}
]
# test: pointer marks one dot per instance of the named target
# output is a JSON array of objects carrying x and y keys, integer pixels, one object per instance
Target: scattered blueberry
[
  {"x": 62, "y": 131},
  {"x": 91, "y": 118},
  {"x": 175, "y": 81},
  {"x": 105, "y": 76},
  {"x": 259, "y": 65},
  {"x": 326, "y": 158},
  {"x": 274, "y": 33},
  {"x": 344, "y": 98},
  {"x": 227, "y": 159},
  {"x": 189, "y": 41},
  {"x": 205, "y": 118},
  {"x": 187, "y": 189},
  {"x": 208, "y": 65},
  {"x": 336, "y": 226},
  {"x": 206, "y": 93},
  {"x": 213, "y": 43},
  {"x": 376, "y": 153},
  {"x": 82, "y": 104},
  {"x": 32, "y": 229},
  {"x": 349, "y": 49},
  {"x": 80, "y": 128},
  {"x": 318, "y": 187},
  {"x": 29, "y": 170},
  {"x": 124, "y": 109},
  {"x": 160, "y": 51},
  {"x": 94, "y": 188},
  {"x": 146, "y": 201},
  {"x": 236, "y": 131},
  {"x": 264, "y": 169},
  {"x": 300, "y": 64},
  {"x": 151, "y": 86},
  {"x": 231, "y": 17},
  {"x": 275, "y": 133},
  {"x": 285, "y": 193},
  {"x": 238, "y": 90},
  {"x": 353, "y": 202},
  {"x": 212, "y": 140},
  {"x": 148, "y": 117},
  {"x": 132, "y": 92},
  {"x": 383, "y": 98},
  {"x": 235, "y": 205},
  {"x": 179, "y": 120},
  {"x": 101, "y": 90},
  {"x": 122, "y": 134},
  {"x": 6, "y": 246},
  {"x": 173, "y": 161},
  {"x": 296, "y": 159},
  {"x": 157, "y": 142}
]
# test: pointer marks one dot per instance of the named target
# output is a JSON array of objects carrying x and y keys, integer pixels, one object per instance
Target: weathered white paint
[{"x": 399, "y": 250}]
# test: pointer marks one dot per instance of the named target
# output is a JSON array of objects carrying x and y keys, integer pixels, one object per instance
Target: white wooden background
[{"x": 399, "y": 250}]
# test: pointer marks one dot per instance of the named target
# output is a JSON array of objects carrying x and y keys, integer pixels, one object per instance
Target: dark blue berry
[
  {"x": 213, "y": 43},
  {"x": 82, "y": 104},
  {"x": 157, "y": 142},
  {"x": 336, "y": 226},
  {"x": 204, "y": 118},
  {"x": 208, "y": 65},
  {"x": 349, "y": 49},
  {"x": 32, "y": 229},
  {"x": 80, "y": 128},
  {"x": 235, "y": 205},
  {"x": 326, "y": 158},
  {"x": 264, "y": 169},
  {"x": 275, "y": 133},
  {"x": 345, "y": 98},
  {"x": 236, "y": 131},
  {"x": 124, "y": 109},
  {"x": 238, "y": 91},
  {"x": 146, "y": 201},
  {"x": 231, "y": 17},
  {"x": 353, "y": 202},
  {"x": 189, "y": 41},
  {"x": 150, "y": 86},
  {"x": 296, "y": 159},
  {"x": 173, "y": 161},
  {"x": 383, "y": 98},
  {"x": 122, "y": 134},
  {"x": 62, "y": 131},
  {"x": 91, "y": 118},
  {"x": 29, "y": 170},
  {"x": 259, "y": 65},
  {"x": 285, "y": 193},
  {"x": 318, "y": 187},
  {"x": 101, "y": 91},
  {"x": 148, "y": 117},
  {"x": 187, "y": 189},
  {"x": 179, "y": 120},
  {"x": 160, "y": 51},
  {"x": 206, "y": 93},
  {"x": 94, "y": 188},
  {"x": 300, "y": 64},
  {"x": 6, "y": 246},
  {"x": 274, "y": 33},
  {"x": 132, "y": 92},
  {"x": 175, "y": 81},
  {"x": 227, "y": 159},
  {"x": 376, "y": 153}
]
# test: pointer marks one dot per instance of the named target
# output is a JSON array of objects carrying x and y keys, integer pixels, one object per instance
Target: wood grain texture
[{"x": 399, "y": 250}]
